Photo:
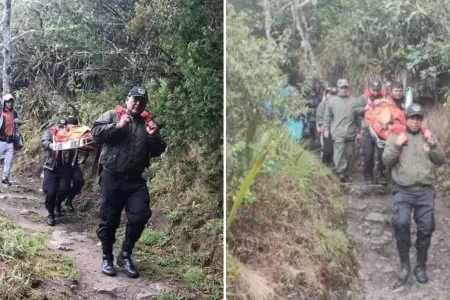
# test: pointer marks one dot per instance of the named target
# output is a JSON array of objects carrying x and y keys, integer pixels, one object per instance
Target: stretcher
[
  {"x": 378, "y": 140},
  {"x": 73, "y": 144}
]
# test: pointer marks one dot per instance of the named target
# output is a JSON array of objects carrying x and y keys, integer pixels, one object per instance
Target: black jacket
[{"x": 127, "y": 150}]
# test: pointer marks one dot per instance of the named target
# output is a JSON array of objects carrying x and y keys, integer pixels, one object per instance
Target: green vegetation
[
  {"x": 26, "y": 261},
  {"x": 285, "y": 208},
  {"x": 83, "y": 57}
]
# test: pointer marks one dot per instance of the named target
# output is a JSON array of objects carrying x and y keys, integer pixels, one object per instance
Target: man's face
[
  {"x": 136, "y": 105},
  {"x": 9, "y": 104},
  {"x": 344, "y": 91},
  {"x": 397, "y": 93},
  {"x": 414, "y": 123},
  {"x": 329, "y": 96},
  {"x": 375, "y": 92}
]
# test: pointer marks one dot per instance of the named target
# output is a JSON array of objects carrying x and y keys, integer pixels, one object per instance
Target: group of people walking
[
  {"x": 127, "y": 139},
  {"x": 410, "y": 156}
]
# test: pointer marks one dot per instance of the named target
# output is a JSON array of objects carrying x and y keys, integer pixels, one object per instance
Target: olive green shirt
[
  {"x": 320, "y": 114},
  {"x": 342, "y": 117},
  {"x": 414, "y": 163}
]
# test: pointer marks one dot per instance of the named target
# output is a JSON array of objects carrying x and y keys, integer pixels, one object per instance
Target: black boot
[
  {"x": 50, "y": 219},
  {"x": 108, "y": 265},
  {"x": 420, "y": 269},
  {"x": 69, "y": 205},
  {"x": 6, "y": 182},
  {"x": 59, "y": 211},
  {"x": 405, "y": 268},
  {"x": 124, "y": 261}
]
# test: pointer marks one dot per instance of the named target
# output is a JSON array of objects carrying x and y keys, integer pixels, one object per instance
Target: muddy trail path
[
  {"x": 370, "y": 214},
  {"x": 23, "y": 203}
]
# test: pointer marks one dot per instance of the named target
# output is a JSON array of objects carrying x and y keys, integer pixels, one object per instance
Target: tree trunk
[
  {"x": 6, "y": 45},
  {"x": 267, "y": 19}
]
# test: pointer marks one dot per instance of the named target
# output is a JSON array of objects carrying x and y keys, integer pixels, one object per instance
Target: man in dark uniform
[
  {"x": 56, "y": 183},
  {"x": 77, "y": 179},
  {"x": 128, "y": 142},
  {"x": 412, "y": 157}
]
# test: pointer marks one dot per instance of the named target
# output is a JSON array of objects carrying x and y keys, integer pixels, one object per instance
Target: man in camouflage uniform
[
  {"x": 342, "y": 121},
  {"x": 412, "y": 157}
]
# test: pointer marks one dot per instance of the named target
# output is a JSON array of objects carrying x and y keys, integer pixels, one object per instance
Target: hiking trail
[
  {"x": 369, "y": 221},
  {"x": 23, "y": 203}
]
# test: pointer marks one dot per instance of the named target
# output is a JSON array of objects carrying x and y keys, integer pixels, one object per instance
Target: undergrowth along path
[{"x": 23, "y": 204}]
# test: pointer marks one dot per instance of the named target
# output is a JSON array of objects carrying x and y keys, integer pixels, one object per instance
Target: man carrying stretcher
[
  {"x": 62, "y": 144},
  {"x": 382, "y": 116}
]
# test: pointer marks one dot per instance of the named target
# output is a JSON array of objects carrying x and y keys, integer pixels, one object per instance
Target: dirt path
[
  {"x": 24, "y": 205},
  {"x": 370, "y": 222}
]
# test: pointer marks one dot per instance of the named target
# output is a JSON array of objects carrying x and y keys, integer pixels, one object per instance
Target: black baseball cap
[
  {"x": 72, "y": 120},
  {"x": 138, "y": 91},
  {"x": 415, "y": 110}
]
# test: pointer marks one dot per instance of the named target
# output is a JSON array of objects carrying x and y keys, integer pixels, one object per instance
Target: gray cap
[
  {"x": 415, "y": 110},
  {"x": 342, "y": 83}
]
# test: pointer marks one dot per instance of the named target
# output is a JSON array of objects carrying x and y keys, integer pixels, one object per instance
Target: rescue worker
[
  {"x": 397, "y": 94},
  {"x": 57, "y": 173},
  {"x": 128, "y": 142},
  {"x": 9, "y": 121},
  {"x": 412, "y": 157},
  {"x": 342, "y": 121},
  {"x": 77, "y": 180},
  {"x": 326, "y": 143},
  {"x": 368, "y": 141}
]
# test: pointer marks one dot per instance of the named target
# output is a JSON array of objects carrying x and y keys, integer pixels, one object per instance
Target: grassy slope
[
  {"x": 26, "y": 261},
  {"x": 290, "y": 235}
]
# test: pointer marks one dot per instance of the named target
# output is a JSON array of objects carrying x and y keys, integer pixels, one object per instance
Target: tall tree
[{"x": 6, "y": 45}]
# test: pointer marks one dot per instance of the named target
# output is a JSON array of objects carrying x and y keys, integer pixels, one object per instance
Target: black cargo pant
[
  {"x": 368, "y": 147},
  {"x": 326, "y": 151},
  {"x": 117, "y": 193},
  {"x": 56, "y": 186},
  {"x": 420, "y": 202},
  {"x": 77, "y": 182}
]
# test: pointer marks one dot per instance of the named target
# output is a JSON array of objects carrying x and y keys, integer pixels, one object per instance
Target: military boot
[
  {"x": 59, "y": 211},
  {"x": 124, "y": 261},
  {"x": 68, "y": 204},
  {"x": 420, "y": 269},
  {"x": 108, "y": 265},
  {"x": 405, "y": 268},
  {"x": 50, "y": 220}
]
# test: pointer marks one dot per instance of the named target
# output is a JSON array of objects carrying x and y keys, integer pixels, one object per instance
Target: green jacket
[
  {"x": 320, "y": 113},
  {"x": 342, "y": 117},
  {"x": 414, "y": 163}
]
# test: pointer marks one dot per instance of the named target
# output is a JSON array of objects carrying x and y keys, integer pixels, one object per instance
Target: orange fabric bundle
[
  {"x": 145, "y": 114},
  {"x": 385, "y": 117},
  {"x": 71, "y": 133}
]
